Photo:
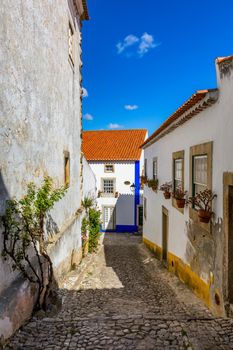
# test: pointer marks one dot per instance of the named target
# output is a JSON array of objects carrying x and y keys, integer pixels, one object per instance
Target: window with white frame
[
  {"x": 155, "y": 168},
  {"x": 108, "y": 186},
  {"x": 200, "y": 174},
  {"x": 178, "y": 174},
  {"x": 71, "y": 43},
  {"x": 109, "y": 168}
]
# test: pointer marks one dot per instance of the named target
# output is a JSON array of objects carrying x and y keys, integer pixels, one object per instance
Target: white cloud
[
  {"x": 146, "y": 43},
  {"x": 128, "y": 41},
  {"x": 140, "y": 45},
  {"x": 88, "y": 117},
  {"x": 131, "y": 107},
  {"x": 84, "y": 92},
  {"x": 114, "y": 126}
]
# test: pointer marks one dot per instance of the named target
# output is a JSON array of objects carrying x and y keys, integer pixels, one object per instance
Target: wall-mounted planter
[
  {"x": 180, "y": 202},
  {"x": 204, "y": 216},
  {"x": 153, "y": 184},
  {"x": 143, "y": 180},
  {"x": 167, "y": 195}
]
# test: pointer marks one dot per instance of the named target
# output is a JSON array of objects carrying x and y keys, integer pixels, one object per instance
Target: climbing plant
[
  {"x": 91, "y": 222},
  {"x": 94, "y": 229},
  {"x": 24, "y": 236}
]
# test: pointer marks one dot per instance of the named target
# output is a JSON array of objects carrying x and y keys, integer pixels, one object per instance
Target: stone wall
[{"x": 40, "y": 119}]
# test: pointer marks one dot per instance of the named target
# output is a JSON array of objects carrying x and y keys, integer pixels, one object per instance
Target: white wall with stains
[{"x": 40, "y": 113}]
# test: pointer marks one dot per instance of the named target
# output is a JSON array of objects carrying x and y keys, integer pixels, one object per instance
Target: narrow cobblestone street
[{"x": 127, "y": 300}]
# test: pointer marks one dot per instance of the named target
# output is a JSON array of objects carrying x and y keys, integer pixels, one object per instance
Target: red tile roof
[
  {"x": 220, "y": 60},
  {"x": 86, "y": 15},
  {"x": 113, "y": 144},
  {"x": 189, "y": 104}
]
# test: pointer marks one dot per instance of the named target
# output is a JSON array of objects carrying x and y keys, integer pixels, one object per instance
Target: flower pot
[
  {"x": 204, "y": 216},
  {"x": 167, "y": 195},
  {"x": 154, "y": 188},
  {"x": 180, "y": 202}
]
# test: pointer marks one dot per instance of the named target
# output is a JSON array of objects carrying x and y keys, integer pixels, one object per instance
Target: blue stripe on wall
[
  {"x": 123, "y": 228},
  {"x": 137, "y": 190}
]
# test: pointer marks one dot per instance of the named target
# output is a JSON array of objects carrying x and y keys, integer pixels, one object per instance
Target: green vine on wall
[
  {"x": 24, "y": 236},
  {"x": 91, "y": 223}
]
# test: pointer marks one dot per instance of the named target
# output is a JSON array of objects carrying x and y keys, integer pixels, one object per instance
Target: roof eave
[
  {"x": 85, "y": 15},
  {"x": 221, "y": 60},
  {"x": 207, "y": 98}
]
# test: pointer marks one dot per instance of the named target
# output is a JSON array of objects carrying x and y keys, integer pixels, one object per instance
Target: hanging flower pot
[
  {"x": 204, "y": 216},
  {"x": 180, "y": 202},
  {"x": 153, "y": 184},
  {"x": 167, "y": 195},
  {"x": 166, "y": 188},
  {"x": 203, "y": 202},
  {"x": 180, "y": 197},
  {"x": 143, "y": 180}
]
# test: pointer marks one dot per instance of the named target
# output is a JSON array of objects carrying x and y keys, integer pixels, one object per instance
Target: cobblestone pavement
[{"x": 127, "y": 300}]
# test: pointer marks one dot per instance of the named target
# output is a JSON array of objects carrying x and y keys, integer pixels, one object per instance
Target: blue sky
[{"x": 143, "y": 59}]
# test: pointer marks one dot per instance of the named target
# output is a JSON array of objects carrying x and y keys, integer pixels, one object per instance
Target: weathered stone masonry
[{"x": 40, "y": 123}]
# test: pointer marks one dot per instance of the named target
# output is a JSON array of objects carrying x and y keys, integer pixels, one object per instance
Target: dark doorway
[
  {"x": 230, "y": 245},
  {"x": 140, "y": 215}
]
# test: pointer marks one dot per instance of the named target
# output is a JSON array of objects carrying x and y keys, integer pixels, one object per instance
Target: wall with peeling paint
[
  {"x": 40, "y": 116},
  {"x": 200, "y": 251}
]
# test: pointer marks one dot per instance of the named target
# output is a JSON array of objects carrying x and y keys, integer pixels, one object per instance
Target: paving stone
[{"x": 126, "y": 300}]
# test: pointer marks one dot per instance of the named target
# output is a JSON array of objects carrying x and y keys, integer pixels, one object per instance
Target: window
[
  {"x": 178, "y": 174},
  {"x": 109, "y": 168},
  {"x": 155, "y": 168},
  {"x": 71, "y": 43},
  {"x": 145, "y": 207},
  {"x": 199, "y": 173},
  {"x": 145, "y": 167},
  {"x": 67, "y": 168},
  {"x": 108, "y": 186}
]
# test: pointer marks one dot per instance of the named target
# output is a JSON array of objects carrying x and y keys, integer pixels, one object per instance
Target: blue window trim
[{"x": 137, "y": 190}]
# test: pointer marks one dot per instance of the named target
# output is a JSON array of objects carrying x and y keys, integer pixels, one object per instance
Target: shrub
[{"x": 94, "y": 229}]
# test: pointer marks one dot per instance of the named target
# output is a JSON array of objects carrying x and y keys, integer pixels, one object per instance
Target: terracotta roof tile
[
  {"x": 113, "y": 144},
  {"x": 86, "y": 15},
  {"x": 220, "y": 60},
  {"x": 190, "y": 103}
]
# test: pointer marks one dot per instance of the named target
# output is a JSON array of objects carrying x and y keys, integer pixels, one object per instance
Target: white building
[
  {"x": 89, "y": 181},
  {"x": 194, "y": 147},
  {"x": 116, "y": 160},
  {"x": 40, "y": 132}
]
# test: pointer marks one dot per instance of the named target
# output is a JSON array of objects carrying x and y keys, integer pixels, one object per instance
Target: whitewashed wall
[
  {"x": 214, "y": 124},
  {"x": 40, "y": 118},
  {"x": 124, "y": 171},
  {"x": 89, "y": 181}
]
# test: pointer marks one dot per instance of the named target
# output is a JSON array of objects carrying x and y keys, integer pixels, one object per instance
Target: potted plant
[
  {"x": 180, "y": 195},
  {"x": 143, "y": 180},
  {"x": 166, "y": 188},
  {"x": 153, "y": 184},
  {"x": 203, "y": 202}
]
